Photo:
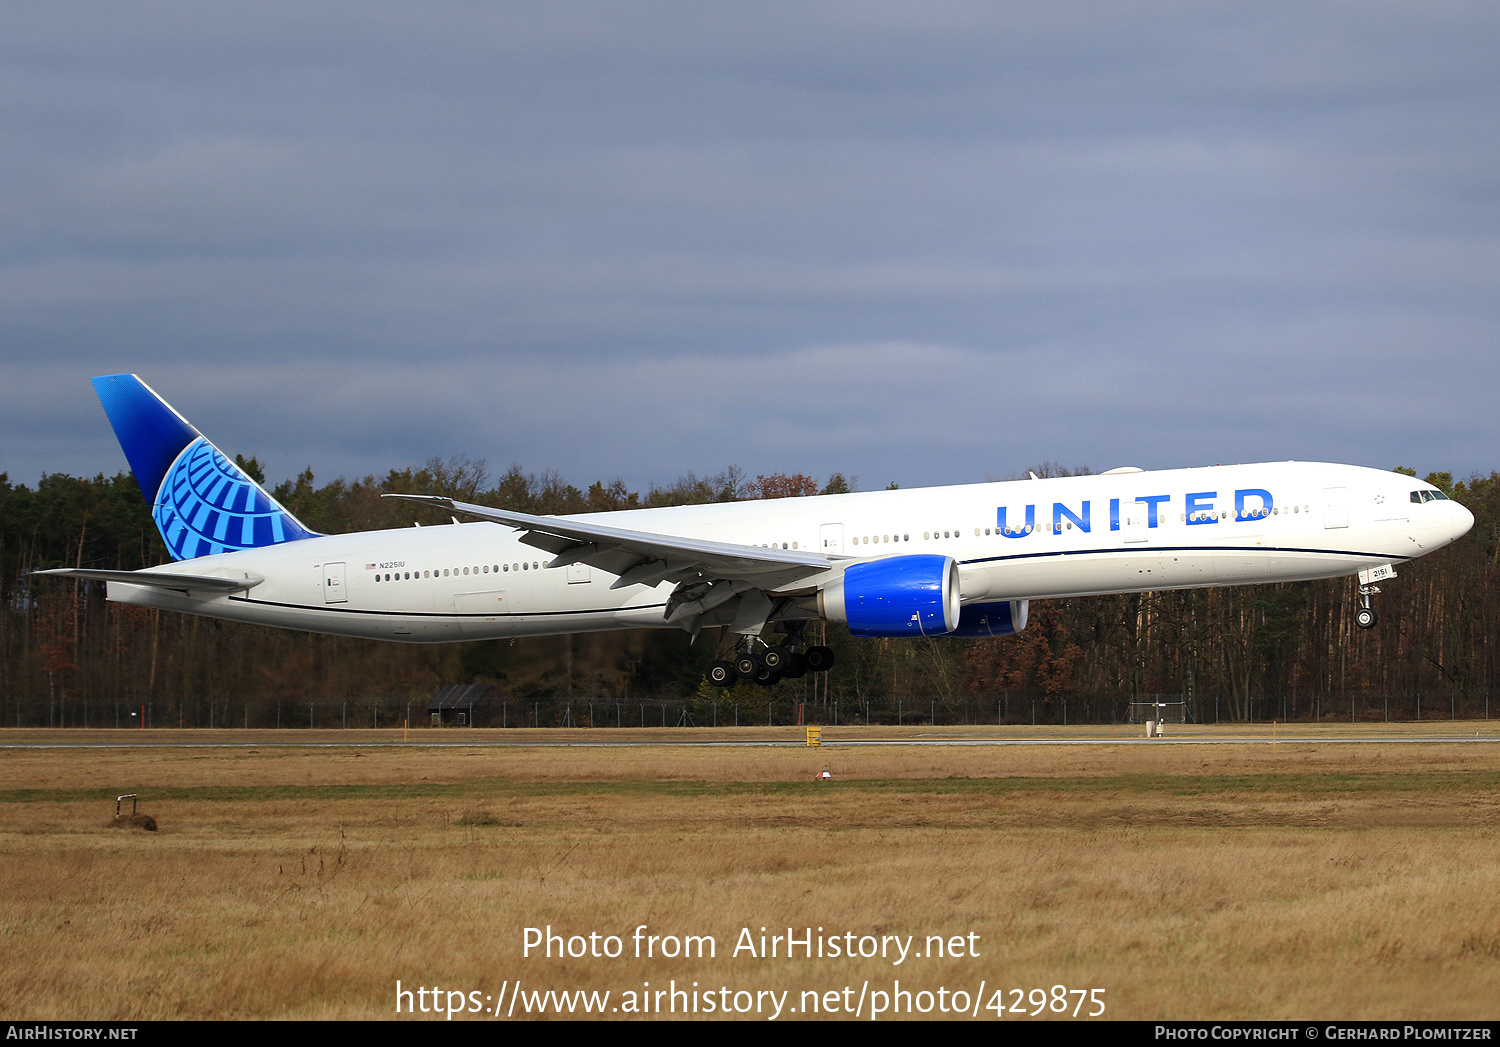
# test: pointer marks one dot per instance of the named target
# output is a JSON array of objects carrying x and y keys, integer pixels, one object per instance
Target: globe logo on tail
[{"x": 207, "y": 505}]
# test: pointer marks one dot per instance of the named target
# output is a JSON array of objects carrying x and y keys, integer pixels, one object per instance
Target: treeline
[{"x": 1288, "y": 650}]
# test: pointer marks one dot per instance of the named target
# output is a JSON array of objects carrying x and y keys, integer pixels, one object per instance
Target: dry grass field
[{"x": 1301, "y": 880}]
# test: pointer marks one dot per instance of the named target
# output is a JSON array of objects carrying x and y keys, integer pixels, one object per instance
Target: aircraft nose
[{"x": 1462, "y": 520}]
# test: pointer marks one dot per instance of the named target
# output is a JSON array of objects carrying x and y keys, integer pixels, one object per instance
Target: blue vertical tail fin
[{"x": 202, "y": 502}]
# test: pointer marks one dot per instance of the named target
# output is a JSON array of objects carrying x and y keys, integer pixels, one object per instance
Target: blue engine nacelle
[
  {"x": 991, "y": 619},
  {"x": 898, "y": 596}
]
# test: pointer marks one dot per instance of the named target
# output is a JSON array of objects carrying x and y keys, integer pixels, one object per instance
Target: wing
[
  {"x": 709, "y": 574},
  {"x": 182, "y": 583}
]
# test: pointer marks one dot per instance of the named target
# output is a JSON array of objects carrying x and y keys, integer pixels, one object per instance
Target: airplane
[{"x": 960, "y": 561}]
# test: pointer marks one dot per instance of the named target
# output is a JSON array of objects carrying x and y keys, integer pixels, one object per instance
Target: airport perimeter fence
[{"x": 728, "y": 711}]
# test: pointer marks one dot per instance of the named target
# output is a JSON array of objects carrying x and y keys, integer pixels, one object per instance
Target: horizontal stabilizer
[{"x": 182, "y": 583}]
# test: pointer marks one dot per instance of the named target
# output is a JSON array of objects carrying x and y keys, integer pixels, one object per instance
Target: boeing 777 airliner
[{"x": 943, "y": 561}]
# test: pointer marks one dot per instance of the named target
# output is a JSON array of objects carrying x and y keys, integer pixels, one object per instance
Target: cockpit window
[{"x": 1429, "y": 496}]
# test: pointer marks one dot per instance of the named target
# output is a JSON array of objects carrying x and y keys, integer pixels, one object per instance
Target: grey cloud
[{"x": 912, "y": 242}]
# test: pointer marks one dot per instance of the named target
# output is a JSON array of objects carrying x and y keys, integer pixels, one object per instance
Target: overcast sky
[{"x": 930, "y": 243}]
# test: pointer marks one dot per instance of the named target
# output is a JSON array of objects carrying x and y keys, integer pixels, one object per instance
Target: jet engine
[
  {"x": 991, "y": 619},
  {"x": 897, "y": 596}
]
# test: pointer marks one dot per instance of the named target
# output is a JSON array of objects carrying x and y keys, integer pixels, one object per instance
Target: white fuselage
[{"x": 1087, "y": 535}]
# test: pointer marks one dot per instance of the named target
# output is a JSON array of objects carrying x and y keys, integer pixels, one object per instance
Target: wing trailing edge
[
  {"x": 634, "y": 554},
  {"x": 714, "y": 579}
]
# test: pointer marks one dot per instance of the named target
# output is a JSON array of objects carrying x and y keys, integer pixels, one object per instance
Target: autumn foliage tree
[
  {"x": 1251, "y": 651},
  {"x": 780, "y": 485}
]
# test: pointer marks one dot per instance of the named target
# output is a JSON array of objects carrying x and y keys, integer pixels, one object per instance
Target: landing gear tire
[
  {"x": 1364, "y": 617},
  {"x": 768, "y": 678},
  {"x": 819, "y": 659},
  {"x": 721, "y": 674},
  {"x": 747, "y": 666},
  {"x": 796, "y": 667},
  {"x": 775, "y": 658}
]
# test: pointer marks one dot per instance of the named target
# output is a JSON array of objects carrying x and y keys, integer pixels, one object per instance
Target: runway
[{"x": 797, "y": 743}]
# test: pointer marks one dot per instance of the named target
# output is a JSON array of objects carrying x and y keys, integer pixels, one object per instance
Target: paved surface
[{"x": 1289, "y": 739}]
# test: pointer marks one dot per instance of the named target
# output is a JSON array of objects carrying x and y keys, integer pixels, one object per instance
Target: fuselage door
[
  {"x": 831, "y": 538},
  {"x": 333, "y": 583},
  {"x": 1335, "y": 507}
]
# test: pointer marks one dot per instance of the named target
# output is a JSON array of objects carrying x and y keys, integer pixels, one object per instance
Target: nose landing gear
[{"x": 1364, "y": 614}]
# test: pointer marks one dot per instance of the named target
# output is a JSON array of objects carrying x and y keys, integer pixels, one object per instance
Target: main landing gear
[{"x": 767, "y": 664}]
